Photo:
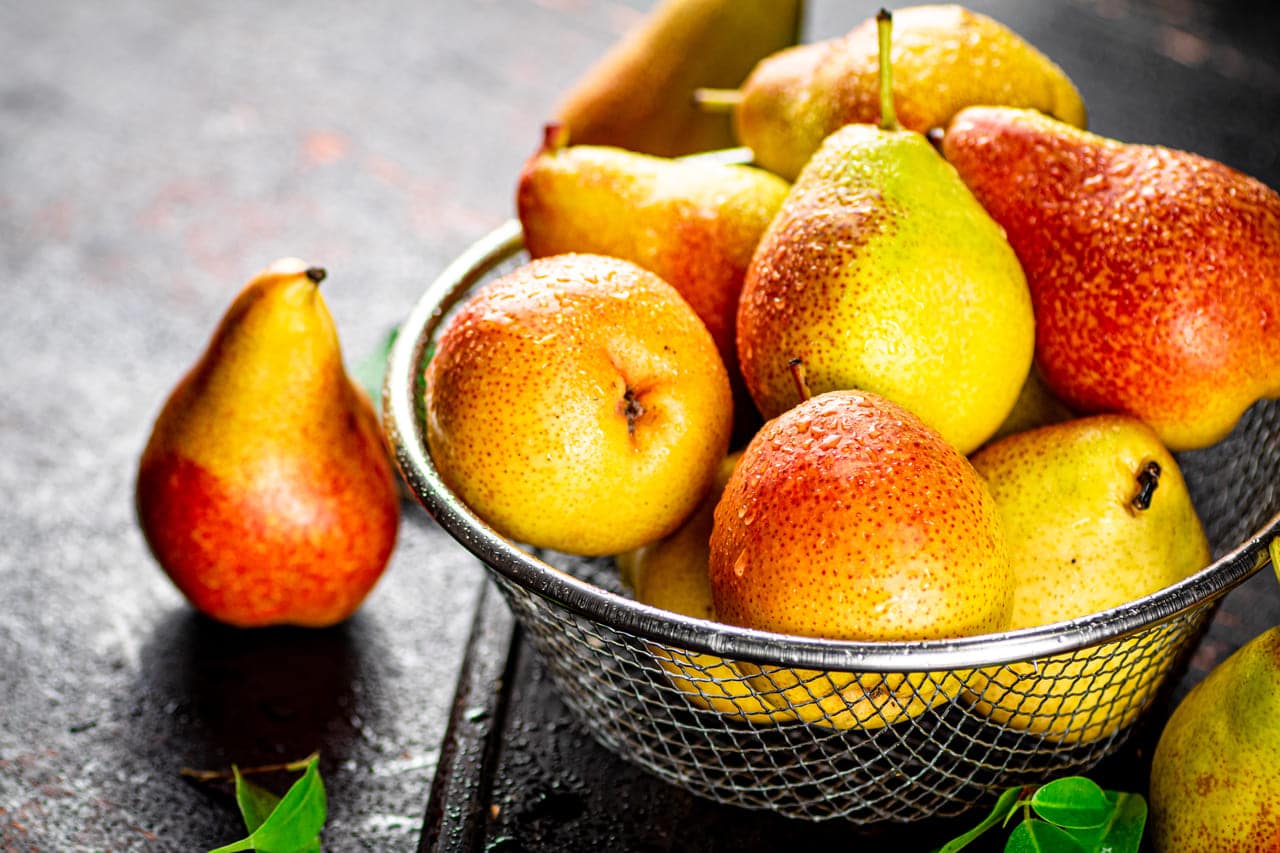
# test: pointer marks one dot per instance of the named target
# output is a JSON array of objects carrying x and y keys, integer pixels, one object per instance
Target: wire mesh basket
[{"x": 819, "y": 729}]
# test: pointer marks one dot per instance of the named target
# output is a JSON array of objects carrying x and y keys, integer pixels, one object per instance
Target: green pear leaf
[
  {"x": 294, "y": 822},
  {"x": 1073, "y": 801},
  {"x": 1002, "y": 809},
  {"x": 1122, "y": 831},
  {"x": 1038, "y": 836},
  {"x": 256, "y": 802},
  {"x": 369, "y": 371}
]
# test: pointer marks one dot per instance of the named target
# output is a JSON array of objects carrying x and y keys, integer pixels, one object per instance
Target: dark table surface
[{"x": 155, "y": 155}]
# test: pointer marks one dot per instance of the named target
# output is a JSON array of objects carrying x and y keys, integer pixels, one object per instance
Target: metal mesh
[
  {"x": 790, "y": 744},
  {"x": 869, "y": 745}
]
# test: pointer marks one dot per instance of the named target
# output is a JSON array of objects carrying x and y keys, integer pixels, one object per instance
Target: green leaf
[
  {"x": 1122, "y": 832},
  {"x": 294, "y": 824},
  {"x": 369, "y": 371},
  {"x": 1038, "y": 836},
  {"x": 256, "y": 802},
  {"x": 1004, "y": 805},
  {"x": 1073, "y": 801}
]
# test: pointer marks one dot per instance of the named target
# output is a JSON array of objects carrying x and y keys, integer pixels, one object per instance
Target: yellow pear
[
  {"x": 1215, "y": 775},
  {"x": 639, "y": 95},
  {"x": 577, "y": 403},
  {"x": 1097, "y": 514},
  {"x": 944, "y": 57},
  {"x": 672, "y": 574},
  {"x": 881, "y": 272}
]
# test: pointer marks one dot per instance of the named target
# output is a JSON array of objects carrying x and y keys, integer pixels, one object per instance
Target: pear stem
[
  {"x": 884, "y": 29},
  {"x": 800, "y": 377},
  {"x": 316, "y": 274},
  {"x": 554, "y": 136},
  {"x": 1148, "y": 479},
  {"x": 717, "y": 100}
]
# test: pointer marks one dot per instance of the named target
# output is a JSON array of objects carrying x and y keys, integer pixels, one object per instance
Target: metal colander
[{"x": 818, "y": 729}]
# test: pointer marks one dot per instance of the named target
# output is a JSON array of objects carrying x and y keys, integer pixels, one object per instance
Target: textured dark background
[{"x": 153, "y": 156}]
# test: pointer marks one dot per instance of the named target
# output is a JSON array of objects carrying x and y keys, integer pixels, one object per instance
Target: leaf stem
[{"x": 229, "y": 775}]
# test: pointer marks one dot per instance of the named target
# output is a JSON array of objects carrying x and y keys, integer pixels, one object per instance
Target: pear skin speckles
[
  {"x": 578, "y": 403},
  {"x": 848, "y": 518},
  {"x": 882, "y": 272},
  {"x": 1154, "y": 273},
  {"x": 945, "y": 58}
]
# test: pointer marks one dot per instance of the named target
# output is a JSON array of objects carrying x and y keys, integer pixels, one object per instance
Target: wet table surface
[{"x": 153, "y": 156}]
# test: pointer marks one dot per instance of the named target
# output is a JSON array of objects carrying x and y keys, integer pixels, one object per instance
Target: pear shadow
[{"x": 209, "y": 695}]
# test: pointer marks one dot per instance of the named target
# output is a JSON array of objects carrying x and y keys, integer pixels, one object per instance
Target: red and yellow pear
[
  {"x": 848, "y": 518},
  {"x": 1154, "y": 273},
  {"x": 266, "y": 490}
]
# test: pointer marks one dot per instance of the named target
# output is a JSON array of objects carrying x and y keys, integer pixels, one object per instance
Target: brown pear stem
[
  {"x": 884, "y": 29},
  {"x": 717, "y": 100},
  {"x": 800, "y": 377},
  {"x": 1148, "y": 479},
  {"x": 316, "y": 274},
  {"x": 554, "y": 136}
]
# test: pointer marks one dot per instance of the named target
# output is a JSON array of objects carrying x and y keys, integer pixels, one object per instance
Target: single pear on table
[
  {"x": 1097, "y": 515},
  {"x": 882, "y": 272},
  {"x": 577, "y": 403},
  {"x": 1215, "y": 777},
  {"x": 693, "y": 222},
  {"x": 672, "y": 574},
  {"x": 639, "y": 95},
  {"x": 945, "y": 58},
  {"x": 266, "y": 490},
  {"x": 1155, "y": 273},
  {"x": 848, "y": 518}
]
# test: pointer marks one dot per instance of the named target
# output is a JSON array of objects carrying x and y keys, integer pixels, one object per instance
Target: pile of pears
[{"x": 962, "y": 336}]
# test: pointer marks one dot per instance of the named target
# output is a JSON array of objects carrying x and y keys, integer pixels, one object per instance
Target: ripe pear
[
  {"x": 1214, "y": 775},
  {"x": 1097, "y": 515},
  {"x": 1155, "y": 274},
  {"x": 672, "y": 574},
  {"x": 850, "y": 519},
  {"x": 577, "y": 403},
  {"x": 639, "y": 96},
  {"x": 882, "y": 272},
  {"x": 694, "y": 223},
  {"x": 944, "y": 57},
  {"x": 266, "y": 491}
]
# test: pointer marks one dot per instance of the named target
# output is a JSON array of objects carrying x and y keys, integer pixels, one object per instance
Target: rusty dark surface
[{"x": 153, "y": 156}]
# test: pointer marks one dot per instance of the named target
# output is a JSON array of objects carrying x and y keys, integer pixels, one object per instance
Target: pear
[
  {"x": 693, "y": 223},
  {"x": 577, "y": 403},
  {"x": 882, "y": 272},
  {"x": 672, "y": 574},
  {"x": 1155, "y": 273},
  {"x": 1214, "y": 774},
  {"x": 1097, "y": 515},
  {"x": 1036, "y": 406},
  {"x": 848, "y": 518},
  {"x": 945, "y": 58},
  {"x": 266, "y": 491},
  {"x": 639, "y": 95}
]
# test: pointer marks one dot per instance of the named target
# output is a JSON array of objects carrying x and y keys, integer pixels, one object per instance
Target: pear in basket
[
  {"x": 672, "y": 574},
  {"x": 1155, "y": 273},
  {"x": 1097, "y": 515},
  {"x": 577, "y": 403},
  {"x": 848, "y": 518}
]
